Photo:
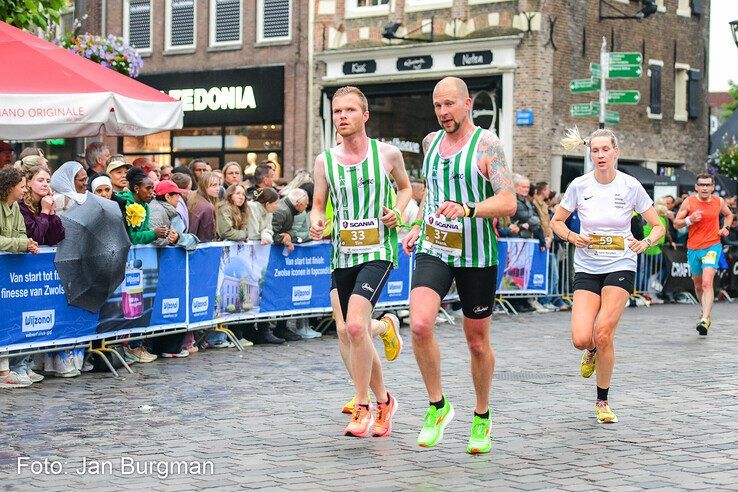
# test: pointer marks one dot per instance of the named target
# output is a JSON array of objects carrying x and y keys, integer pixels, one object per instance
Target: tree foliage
[
  {"x": 730, "y": 107},
  {"x": 27, "y": 14}
]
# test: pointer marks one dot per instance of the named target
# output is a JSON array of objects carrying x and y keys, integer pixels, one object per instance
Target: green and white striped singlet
[
  {"x": 456, "y": 178},
  {"x": 358, "y": 193}
]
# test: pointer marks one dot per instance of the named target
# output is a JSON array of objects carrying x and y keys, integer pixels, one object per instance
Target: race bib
[
  {"x": 710, "y": 258},
  {"x": 359, "y": 236},
  {"x": 444, "y": 236},
  {"x": 606, "y": 245}
]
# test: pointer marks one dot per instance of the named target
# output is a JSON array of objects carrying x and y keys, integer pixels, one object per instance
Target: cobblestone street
[{"x": 270, "y": 417}]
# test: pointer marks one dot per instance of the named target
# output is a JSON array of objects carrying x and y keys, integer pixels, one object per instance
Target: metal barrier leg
[
  {"x": 100, "y": 352},
  {"x": 507, "y": 306},
  {"x": 449, "y": 319},
  {"x": 725, "y": 294},
  {"x": 117, "y": 356},
  {"x": 230, "y": 335}
]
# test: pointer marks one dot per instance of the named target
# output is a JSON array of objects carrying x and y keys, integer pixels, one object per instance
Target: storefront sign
[
  {"x": 524, "y": 117},
  {"x": 473, "y": 58},
  {"x": 409, "y": 63},
  {"x": 359, "y": 67},
  {"x": 484, "y": 109},
  {"x": 226, "y": 97}
]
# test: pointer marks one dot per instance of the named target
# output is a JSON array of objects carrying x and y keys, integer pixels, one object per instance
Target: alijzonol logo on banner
[
  {"x": 301, "y": 294},
  {"x": 170, "y": 307},
  {"x": 38, "y": 322},
  {"x": 200, "y": 304},
  {"x": 394, "y": 288}
]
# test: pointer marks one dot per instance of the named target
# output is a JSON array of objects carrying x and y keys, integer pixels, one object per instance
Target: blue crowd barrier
[{"x": 218, "y": 283}]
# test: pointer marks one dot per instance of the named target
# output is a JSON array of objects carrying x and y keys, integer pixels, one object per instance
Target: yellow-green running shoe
[
  {"x": 391, "y": 338},
  {"x": 588, "y": 363},
  {"x": 435, "y": 422},
  {"x": 703, "y": 326},
  {"x": 479, "y": 441},
  {"x": 604, "y": 414}
]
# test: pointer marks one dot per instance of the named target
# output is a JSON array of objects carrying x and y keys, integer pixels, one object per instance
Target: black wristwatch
[{"x": 471, "y": 209}]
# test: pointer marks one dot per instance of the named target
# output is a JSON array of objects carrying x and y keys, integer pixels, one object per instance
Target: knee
[
  {"x": 581, "y": 342},
  {"x": 355, "y": 330},
  {"x": 706, "y": 284},
  {"x": 603, "y": 337},
  {"x": 478, "y": 347},
  {"x": 422, "y": 327}
]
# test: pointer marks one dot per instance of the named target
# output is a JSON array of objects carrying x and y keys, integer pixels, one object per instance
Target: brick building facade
[
  {"x": 240, "y": 67},
  {"x": 520, "y": 55}
]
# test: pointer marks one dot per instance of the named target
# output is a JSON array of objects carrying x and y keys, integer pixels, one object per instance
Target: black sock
[
  {"x": 365, "y": 406},
  {"x": 439, "y": 404},
  {"x": 484, "y": 415},
  {"x": 602, "y": 393},
  {"x": 592, "y": 351},
  {"x": 384, "y": 403}
]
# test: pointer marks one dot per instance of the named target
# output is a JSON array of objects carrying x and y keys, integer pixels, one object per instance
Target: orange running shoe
[
  {"x": 383, "y": 421},
  {"x": 361, "y": 422}
]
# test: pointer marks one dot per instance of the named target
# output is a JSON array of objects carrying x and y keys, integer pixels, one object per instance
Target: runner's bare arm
[
  {"x": 679, "y": 220},
  {"x": 427, "y": 141},
  {"x": 727, "y": 216},
  {"x": 492, "y": 164},
  {"x": 399, "y": 173},
  {"x": 320, "y": 195}
]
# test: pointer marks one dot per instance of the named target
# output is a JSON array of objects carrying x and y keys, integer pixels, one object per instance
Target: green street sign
[
  {"x": 623, "y": 97},
  {"x": 584, "y": 109},
  {"x": 55, "y": 142},
  {"x": 625, "y": 58},
  {"x": 596, "y": 70},
  {"x": 584, "y": 85},
  {"x": 612, "y": 117},
  {"x": 624, "y": 71}
]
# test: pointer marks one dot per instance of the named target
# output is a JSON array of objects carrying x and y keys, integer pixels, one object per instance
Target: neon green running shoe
[
  {"x": 588, "y": 363},
  {"x": 703, "y": 326},
  {"x": 479, "y": 441},
  {"x": 434, "y": 424},
  {"x": 604, "y": 414}
]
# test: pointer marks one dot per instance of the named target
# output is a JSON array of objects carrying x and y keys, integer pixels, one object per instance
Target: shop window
[
  {"x": 654, "y": 73},
  {"x": 363, "y": 8},
  {"x": 681, "y": 78},
  {"x": 225, "y": 22},
  {"x": 253, "y": 137},
  {"x": 693, "y": 94},
  {"x": 155, "y": 143},
  {"x": 197, "y": 139},
  {"x": 180, "y": 24},
  {"x": 274, "y": 20},
  {"x": 697, "y": 7},
  {"x": 137, "y": 24}
]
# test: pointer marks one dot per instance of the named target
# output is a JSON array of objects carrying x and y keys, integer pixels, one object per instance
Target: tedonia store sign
[{"x": 226, "y": 97}]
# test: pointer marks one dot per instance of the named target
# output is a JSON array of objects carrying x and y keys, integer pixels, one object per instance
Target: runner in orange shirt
[{"x": 701, "y": 214}]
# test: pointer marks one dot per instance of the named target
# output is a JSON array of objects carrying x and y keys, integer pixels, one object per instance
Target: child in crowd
[
  {"x": 201, "y": 205},
  {"x": 102, "y": 186},
  {"x": 233, "y": 214}
]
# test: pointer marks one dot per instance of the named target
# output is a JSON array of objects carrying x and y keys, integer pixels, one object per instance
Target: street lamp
[
  {"x": 390, "y": 32},
  {"x": 649, "y": 7},
  {"x": 734, "y": 30}
]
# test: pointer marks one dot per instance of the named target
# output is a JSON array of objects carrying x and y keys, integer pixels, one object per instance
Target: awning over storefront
[
  {"x": 642, "y": 174},
  {"x": 725, "y": 186},
  {"x": 685, "y": 179}
]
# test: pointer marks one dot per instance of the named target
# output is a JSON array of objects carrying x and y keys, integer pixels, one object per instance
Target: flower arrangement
[
  {"x": 135, "y": 214},
  {"x": 724, "y": 161},
  {"x": 110, "y": 52}
]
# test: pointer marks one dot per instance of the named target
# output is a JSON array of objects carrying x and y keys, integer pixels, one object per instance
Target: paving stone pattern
[{"x": 270, "y": 418}]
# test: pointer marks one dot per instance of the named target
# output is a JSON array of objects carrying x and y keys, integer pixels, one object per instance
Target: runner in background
[{"x": 701, "y": 214}]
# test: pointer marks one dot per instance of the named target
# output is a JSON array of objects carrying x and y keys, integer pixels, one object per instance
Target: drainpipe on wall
[{"x": 104, "y": 20}]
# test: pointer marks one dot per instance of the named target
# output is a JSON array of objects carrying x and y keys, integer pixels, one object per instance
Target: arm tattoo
[
  {"x": 491, "y": 156},
  {"x": 427, "y": 142}
]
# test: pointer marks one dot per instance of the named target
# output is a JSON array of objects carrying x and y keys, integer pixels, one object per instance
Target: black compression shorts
[
  {"x": 476, "y": 285},
  {"x": 625, "y": 279},
  {"x": 366, "y": 280}
]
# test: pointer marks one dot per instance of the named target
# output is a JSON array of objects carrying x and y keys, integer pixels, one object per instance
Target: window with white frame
[
  {"x": 180, "y": 24},
  {"x": 225, "y": 22},
  {"x": 681, "y": 79},
  {"x": 655, "y": 69},
  {"x": 660, "y": 5},
  {"x": 683, "y": 8},
  {"x": 274, "y": 19},
  {"x": 137, "y": 24},
  {"x": 416, "y": 5},
  {"x": 361, "y": 8}
]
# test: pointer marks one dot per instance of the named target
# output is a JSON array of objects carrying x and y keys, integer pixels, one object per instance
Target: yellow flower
[{"x": 135, "y": 214}]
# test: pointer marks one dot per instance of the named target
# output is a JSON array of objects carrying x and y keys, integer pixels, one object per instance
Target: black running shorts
[
  {"x": 594, "y": 282},
  {"x": 366, "y": 280},
  {"x": 476, "y": 286}
]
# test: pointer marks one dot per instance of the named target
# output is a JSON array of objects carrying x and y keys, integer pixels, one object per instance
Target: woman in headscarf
[{"x": 69, "y": 184}]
